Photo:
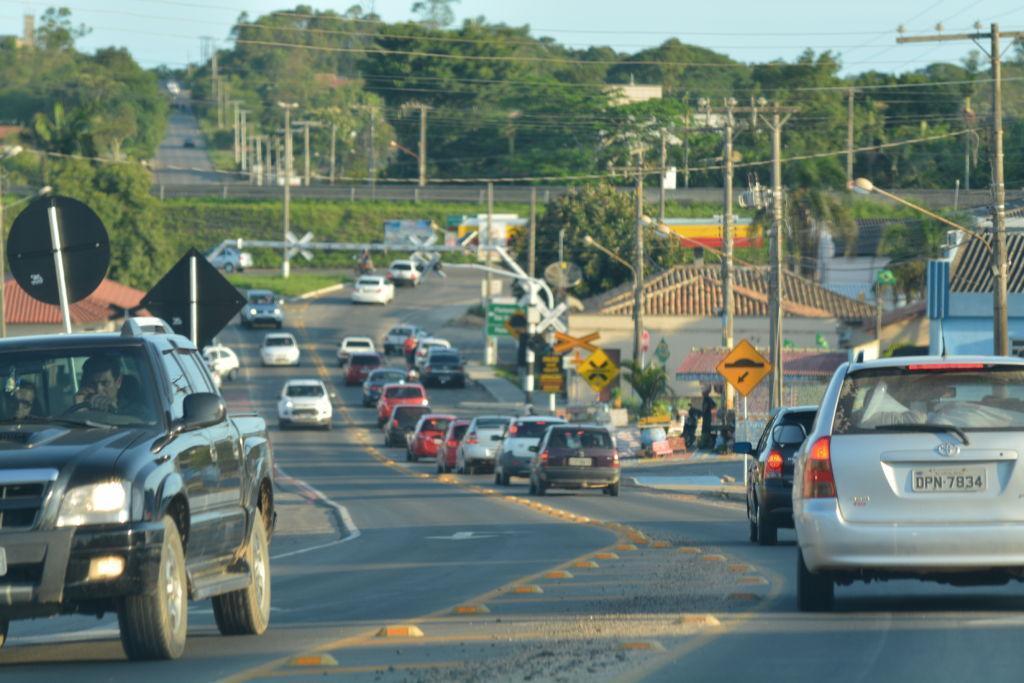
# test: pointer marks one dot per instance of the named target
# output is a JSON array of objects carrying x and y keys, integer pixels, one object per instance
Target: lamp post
[
  {"x": 637, "y": 285},
  {"x": 1000, "y": 335},
  {"x": 288, "y": 107}
]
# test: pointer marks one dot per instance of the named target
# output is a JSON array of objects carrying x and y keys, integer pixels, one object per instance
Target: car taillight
[
  {"x": 915, "y": 367},
  {"x": 615, "y": 458},
  {"x": 471, "y": 440},
  {"x": 543, "y": 458},
  {"x": 512, "y": 430},
  {"x": 818, "y": 479},
  {"x": 394, "y": 423},
  {"x": 452, "y": 443},
  {"x": 773, "y": 465}
]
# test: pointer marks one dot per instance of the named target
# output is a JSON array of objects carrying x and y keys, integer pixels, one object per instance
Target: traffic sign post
[
  {"x": 598, "y": 370},
  {"x": 552, "y": 379},
  {"x": 744, "y": 368}
]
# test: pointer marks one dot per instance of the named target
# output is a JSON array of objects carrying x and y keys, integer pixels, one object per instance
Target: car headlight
[
  {"x": 252, "y": 311},
  {"x": 277, "y": 311},
  {"x": 104, "y": 503},
  {"x": 289, "y": 405}
]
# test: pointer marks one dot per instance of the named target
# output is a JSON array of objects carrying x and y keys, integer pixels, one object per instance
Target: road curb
[
  {"x": 319, "y": 292},
  {"x": 723, "y": 492}
]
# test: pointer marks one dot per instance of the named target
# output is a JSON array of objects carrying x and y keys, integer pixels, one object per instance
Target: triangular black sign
[{"x": 218, "y": 299}]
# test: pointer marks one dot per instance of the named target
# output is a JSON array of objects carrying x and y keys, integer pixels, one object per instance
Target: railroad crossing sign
[
  {"x": 564, "y": 342},
  {"x": 598, "y": 370},
  {"x": 296, "y": 245},
  {"x": 552, "y": 379},
  {"x": 744, "y": 367}
]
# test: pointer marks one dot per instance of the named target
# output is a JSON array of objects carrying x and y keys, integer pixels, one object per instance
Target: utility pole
[
  {"x": 531, "y": 263},
  {"x": 727, "y": 241},
  {"x": 638, "y": 263},
  {"x": 968, "y": 120},
  {"x": 288, "y": 107},
  {"x": 686, "y": 155},
  {"x": 849, "y": 135},
  {"x": 491, "y": 346},
  {"x": 238, "y": 118},
  {"x": 244, "y": 139},
  {"x": 775, "y": 282},
  {"x": 334, "y": 147},
  {"x": 215, "y": 88},
  {"x": 224, "y": 88},
  {"x": 305, "y": 154},
  {"x": 373, "y": 155},
  {"x": 1000, "y": 324},
  {"x": 661, "y": 185},
  {"x": 422, "y": 160}
]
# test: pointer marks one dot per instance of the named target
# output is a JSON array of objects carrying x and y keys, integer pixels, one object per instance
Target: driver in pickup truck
[{"x": 101, "y": 383}]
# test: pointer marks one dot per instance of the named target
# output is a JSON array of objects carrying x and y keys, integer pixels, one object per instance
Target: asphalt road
[
  {"x": 687, "y": 597},
  {"x": 180, "y": 165}
]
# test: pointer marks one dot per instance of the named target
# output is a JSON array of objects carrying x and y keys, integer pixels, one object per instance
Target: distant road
[{"x": 173, "y": 157}]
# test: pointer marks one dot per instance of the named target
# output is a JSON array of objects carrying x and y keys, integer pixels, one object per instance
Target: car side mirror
[
  {"x": 202, "y": 410},
  {"x": 533, "y": 449},
  {"x": 743, "y": 448}
]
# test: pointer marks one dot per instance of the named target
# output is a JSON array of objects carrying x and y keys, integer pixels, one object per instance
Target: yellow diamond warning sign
[
  {"x": 598, "y": 369},
  {"x": 744, "y": 367}
]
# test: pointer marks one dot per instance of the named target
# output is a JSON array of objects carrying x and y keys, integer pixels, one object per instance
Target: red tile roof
[
  {"x": 696, "y": 291},
  {"x": 21, "y": 309},
  {"x": 796, "y": 363}
]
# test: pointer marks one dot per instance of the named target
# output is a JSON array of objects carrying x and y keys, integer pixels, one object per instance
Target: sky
[{"x": 862, "y": 32}]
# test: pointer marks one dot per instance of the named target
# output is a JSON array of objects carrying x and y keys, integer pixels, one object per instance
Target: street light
[
  {"x": 393, "y": 144},
  {"x": 999, "y": 317},
  {"x": 638, "y": 320}
]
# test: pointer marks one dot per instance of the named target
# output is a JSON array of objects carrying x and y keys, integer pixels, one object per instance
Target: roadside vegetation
[{"x": 298, "y": 283}]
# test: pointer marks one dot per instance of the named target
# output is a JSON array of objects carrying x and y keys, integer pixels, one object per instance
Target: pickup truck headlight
[
  {"x": 277, "y": 311},
  {"x": 104, "y": 503},
  {"x": 252, "y": 311},
  {"x": 288, "y": 405}
]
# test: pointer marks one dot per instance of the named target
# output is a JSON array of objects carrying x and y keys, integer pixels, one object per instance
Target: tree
[
  {"x": 435, "y": 13},
  {"x": 56, "y": 32},
  {"x": 650, "y": 384}
]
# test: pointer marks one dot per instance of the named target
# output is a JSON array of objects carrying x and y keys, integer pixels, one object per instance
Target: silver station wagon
[{"x": 912, "y": 471}]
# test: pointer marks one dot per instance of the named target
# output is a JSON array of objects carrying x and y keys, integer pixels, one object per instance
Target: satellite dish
[
  {"x": 563, "y": 275},
  {"x": 83, "y": 242}
]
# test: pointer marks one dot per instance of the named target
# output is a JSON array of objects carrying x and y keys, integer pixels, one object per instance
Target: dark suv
[
  {"x": 770, "y": 472},
  {"x": 402, "y": 421},
  {"x": 572, "y": 456},
  {"x": 443, "y": 367}
]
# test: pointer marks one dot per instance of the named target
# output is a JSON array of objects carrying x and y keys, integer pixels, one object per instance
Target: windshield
[
  {"x": 580, "y": 438},
  {"x": 387, "y": 376},
  {"x": 404, "y": 392},
  {"x": 408, "y": 416},
  {"x": 305, "y": 390},
  {"x": 112, "y": 387},
  {"x": 364, "y": 359},
  {"x": 435, "y": 424},
  {"x": 357, "y": 344},
  {"x": 279, "y": 341},
  {"x": 443, "y": 359},
  {"x": 978, "y": 397},
  {"x": 368, "y": 282},
  {"x": 491, "y": 423},
  {"x": 261, "y": 299}
]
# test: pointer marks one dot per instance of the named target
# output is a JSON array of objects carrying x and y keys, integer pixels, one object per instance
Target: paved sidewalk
[{"x": 500, "y": 389}]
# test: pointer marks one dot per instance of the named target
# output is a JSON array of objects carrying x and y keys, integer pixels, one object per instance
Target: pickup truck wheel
[
  {"x": 154, "y": 625},
  {"x": 246, "y": 612},
  {"x": 4, "y": 626}
]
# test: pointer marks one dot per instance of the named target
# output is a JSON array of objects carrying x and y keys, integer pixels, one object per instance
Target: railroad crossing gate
[
  {"x": 598, "y": 370},
  {"x": 744, "y": 367}
]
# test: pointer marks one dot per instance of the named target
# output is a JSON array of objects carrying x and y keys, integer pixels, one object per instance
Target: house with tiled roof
[
  {"x": 683, "y": 307},
  {"x": 101, "y": 311}
]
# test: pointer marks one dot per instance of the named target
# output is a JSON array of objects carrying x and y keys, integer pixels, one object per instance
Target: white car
[
  {"x": 514, "y": 454},
  {"x": 279, "y": 348},
  {"x": 305, "y": 402},
  {"x": 405, "y": 272},
  {"x": 911, "y": 471},
  {"x": 222, "y": 360},
  {"x": 350, "y": 345},
  {"x": 480, "y": 443},
  {"x": 394, "y": 340},
  {"x": 424, "y": 347},
  {"x": 373, "y": 289}
]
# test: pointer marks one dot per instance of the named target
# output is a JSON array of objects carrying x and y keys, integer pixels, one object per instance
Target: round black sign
[{"x": 83, "y": 241}]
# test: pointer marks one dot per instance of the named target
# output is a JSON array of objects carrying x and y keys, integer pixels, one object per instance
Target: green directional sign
[{"x": 498, "y": 317}]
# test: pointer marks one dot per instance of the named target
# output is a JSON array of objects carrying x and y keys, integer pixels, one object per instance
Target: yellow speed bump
[
  {"x": 585, "y": 564},
  {"x": 661, "y": 544},
  {"x": 313, "y": 660},
  {"x": 713, "y": 558},
  {"x": 689, "y": 550},
  {"x": 650, "y": 645},
  {"x": 400, "y": 631},
  {"x": 605, "y": 556},
  {"x": 471, "y": 609},
  {"x": 699, "y": 620},
  {"x": 558, "y": 574},
  {"x": 753, "y": 581},
  {"x": 527, "y": 588},
  {"x": 625, "y": 547},
  {"x": 740, "y": 568}
]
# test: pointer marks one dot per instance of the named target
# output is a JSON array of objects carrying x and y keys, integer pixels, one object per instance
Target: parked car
[
  {"x": 189, "y": 143},
  {"x": 394, "y": 340},
  {"x": 360, "y": 365},
  {"x": 230, "y": 259},
  {"x": 98, "y": 504},
  {"x": 423, "y": 348},
  {"x": 279, "y": 348},
  {"x": 405, "y": 272},
  {"x": 910, "y": 471},
  {"x": 350, "y": 345},
  {"x": 770, "y": 472},
  {"x": 376, "y": 381},
  {"x": 427, "y": 439},
  {"x": 399, "y": 394},
  {"x": 304, "y": 402},
  {"x": 480, "y": 444},
  {"x": 443, "y": 367},
  {"x": 401, "y": 422},
  {"x": 573, "y": 456},
  {"x": 262, "y": 308},
  {"x": 223, "y": 360},
  {"x": 373, "y": 289},
  {"x": 514, "y": 454},
  {"x": 452, "y": 438}
]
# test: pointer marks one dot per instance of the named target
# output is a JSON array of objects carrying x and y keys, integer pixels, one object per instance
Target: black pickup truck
[{"x": 125, "y": 488}]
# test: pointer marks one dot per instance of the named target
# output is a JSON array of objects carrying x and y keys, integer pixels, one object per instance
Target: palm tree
[{"x": 650, "y": 384}]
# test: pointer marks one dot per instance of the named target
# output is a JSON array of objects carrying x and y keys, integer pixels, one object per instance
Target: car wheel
[
  {"x": 505, "y": 478},
  {"x": 233, "y": 375},
  {"x": 229, "y": 268},
  {"x": 751, "y": 521},
  {"x": 767, "y": 533},
  {"x": 613, "y": 489},
  {"x": 440, "y": 467},
  {"x": 533, "y": 487},
  {"x": 246, "y": 612},
  {"x": 154, "y": 625},
  {"x": 497, "y": 477},
  {"x": 542, "y": 488},
  {"x": 5, "y": 626},
  {"x": 814, "y": 592},
  {"x": 328, "y": 426}
]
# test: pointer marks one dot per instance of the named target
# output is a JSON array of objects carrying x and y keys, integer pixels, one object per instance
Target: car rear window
[
  {"x": 279, "y": 341},
  {"x": 580, "y": 438},
  {"x": 305, "y": 390},
  {"x": 491, "y": 423},
  {"x": 408, "y": 416},
  {"x": 529, "y": 430},
  {"x": 435, "y": 424},
  {"x": 368, "y": 281},
  {"x": 401, "y": 266},
  {"x": 365, "y": 359},
  {"x": 387, "y": 376},
  {"x": 358, "y": 344},
  {"x": 803, "y": 418},
  {"x": 404, "y": 392},
  {"x": 975, "y": 396},
  {"x": 444, "y": 359}
]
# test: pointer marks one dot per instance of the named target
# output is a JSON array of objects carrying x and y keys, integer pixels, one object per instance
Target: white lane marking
[
  {"x": 343, "y": 514},
  {"x": 461, "y": 536}
]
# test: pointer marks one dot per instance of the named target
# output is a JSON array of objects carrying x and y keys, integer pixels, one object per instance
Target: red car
[
  {"x": 428, "y": 437},
  {"x": 456, "y": 429},
  {"x": 360, "y": 365},
  {"x": 399, "y": 394}
]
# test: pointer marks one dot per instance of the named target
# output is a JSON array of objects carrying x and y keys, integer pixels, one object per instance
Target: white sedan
[
  {"x": 222, "y": 360},
  {"x": 373, "y": 289},
  {"x": 279, "y": 348},
  {"x": 350, "y": 345},
  {"x": 306, "y": 402}
]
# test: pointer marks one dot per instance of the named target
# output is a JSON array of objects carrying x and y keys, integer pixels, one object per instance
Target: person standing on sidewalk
[{"x": 707, "y": 405}]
